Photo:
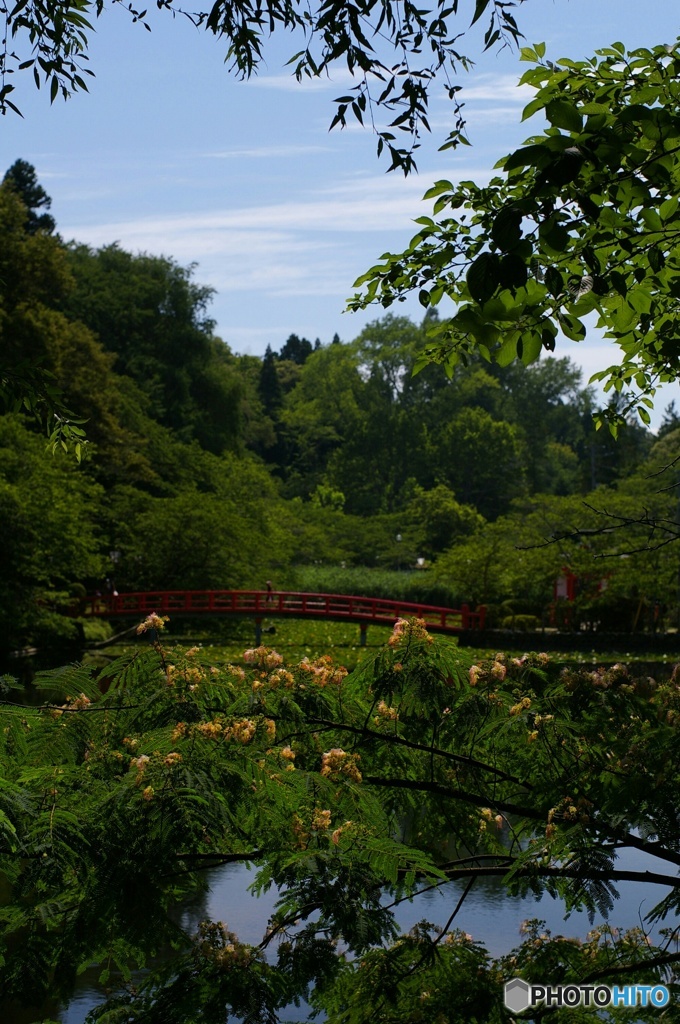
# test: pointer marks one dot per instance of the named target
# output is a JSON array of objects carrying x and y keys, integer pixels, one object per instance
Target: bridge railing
[{"x": 263, "y": 603}]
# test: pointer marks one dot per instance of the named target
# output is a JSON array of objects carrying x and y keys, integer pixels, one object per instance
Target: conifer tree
[{"x": 22, "y": 179}]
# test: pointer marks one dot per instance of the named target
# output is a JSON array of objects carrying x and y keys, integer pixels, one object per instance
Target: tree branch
[{"x": 447, "y": 755}]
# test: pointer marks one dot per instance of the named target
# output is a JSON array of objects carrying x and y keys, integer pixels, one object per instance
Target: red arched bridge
[{"x": 260, "y": 604}]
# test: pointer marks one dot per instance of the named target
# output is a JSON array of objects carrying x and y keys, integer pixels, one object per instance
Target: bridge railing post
[{"x": 465, "y": 616}]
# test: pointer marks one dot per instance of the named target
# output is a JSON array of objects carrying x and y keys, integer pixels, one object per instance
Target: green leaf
[
  {"x": 555, "y": 236},
  {"x": 506, "y": 230},
  {"x": 528, "y": 53},
  {"x": 513, "y": 271},
  {"x": 532, "y": 108},
  {"x": 507, "y": 353},
  {"x": 572, "y": 328},
  {"x": 554, "y": 281},
  {"x": 438, "y": 188},
  {"x": 480, "y": 7},
  {"x": 483, "y": 276},
  {"x": 623, "y": 315},
  {"x": 652, "y": 220},
  {"x": 532, "y": 343},
  {"x": 563, "y": 114},
  {"x": 548, "y": 339},
  {"x": 656, "y": 257},
  {"x": 640, "y": 300},
  {"x": 619, "y": 283},
  {"x": 527, "y": 156},
  {"x": 669, "y": 208}
]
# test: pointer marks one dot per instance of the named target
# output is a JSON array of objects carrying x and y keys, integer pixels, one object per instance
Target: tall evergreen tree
[
  {"x": 296, "y": 349},
  {"x": 22, "y": 178},
  {"x": 269, "y": 384}
]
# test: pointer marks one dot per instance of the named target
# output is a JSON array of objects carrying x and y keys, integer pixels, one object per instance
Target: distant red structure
[
  {"x": 566, "y": 586},
  {"x": 259, "y": 604}
]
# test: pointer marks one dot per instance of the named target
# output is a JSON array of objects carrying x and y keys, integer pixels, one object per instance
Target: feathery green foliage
[{"x": 349, "y": 793}]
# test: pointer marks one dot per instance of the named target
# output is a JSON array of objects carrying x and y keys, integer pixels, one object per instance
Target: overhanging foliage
[
  {"x": 415, "y": 770},
  {"x": 583, "y": 221},
  {"x": 394, "y": 50}
]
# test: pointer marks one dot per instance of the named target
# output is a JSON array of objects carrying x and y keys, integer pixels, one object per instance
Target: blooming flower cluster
[
  {"x": 335, "y": 836},
  {"x": 532, "y": 660},
  {"x": 152, "y": 621},
  {"x": 494, "y": 671},
  {"x": 476, "y": 672},
  {"x": 213, "y": 730},
  {"x": 502, "y": 667},
  {"x": 140, "y": 763},
  {"x": 409, "y": 629},
  {"x": 71, "y": 704},
  {"x": 569, "y": 810},
  {"x": 264, "y": 657},
  {"x": 488, "y": 815},
  {"x": 270, "y": 728},
  {"x": 337, "y": 762},
  {"x": 221, "y": 947},
  {"x": 323, "y": 671},
  {"x": 523, "y": 705},
  {"x": 458, "y": 938},
  {"x": 242, "y": 731},
  {"x": 192, "y": 675},
  {"x": 282, "y": 677},
  {"x": 385, "y": 713},
  {"x": 321, "y": 820},
  {"x": 78, "y": 703}
]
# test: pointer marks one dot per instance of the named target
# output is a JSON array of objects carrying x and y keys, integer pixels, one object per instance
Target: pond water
[{"x": 489, "y": 914}]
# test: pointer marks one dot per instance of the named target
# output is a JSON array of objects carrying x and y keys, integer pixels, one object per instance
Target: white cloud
[
  {"x": 370, "y": 204},
  {"x": 493, "y": 115},
  {"x": 305, "y": 246},
  {"x": 337, "y": 77},
  {"x": 265, "y": 152},
  {"x": 495, "y": 88},
  {"x": 252, "y": 340}
]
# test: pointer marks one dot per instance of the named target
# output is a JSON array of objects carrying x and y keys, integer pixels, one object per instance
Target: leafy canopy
[
  {"x": 394, "y": 50},
  {"x": 581, "y": 223},
  {"x": 414, "y": 771}
]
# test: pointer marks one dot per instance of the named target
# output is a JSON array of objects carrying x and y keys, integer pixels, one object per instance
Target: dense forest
[{"x": 208, "y": 469}]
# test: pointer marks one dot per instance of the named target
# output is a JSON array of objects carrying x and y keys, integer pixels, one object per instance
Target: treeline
[{"x": 212, "y": 469}]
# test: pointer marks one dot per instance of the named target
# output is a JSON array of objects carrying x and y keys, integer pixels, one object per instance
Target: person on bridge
[{"x": 270, "y": 595}]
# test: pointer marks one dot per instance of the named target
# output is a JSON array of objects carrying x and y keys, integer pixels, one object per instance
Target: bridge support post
[
  {"x": 363, "y": 630},
  {"x": 258, "y": 632}
]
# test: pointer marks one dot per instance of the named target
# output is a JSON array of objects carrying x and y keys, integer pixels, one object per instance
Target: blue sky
[{"x": 169, "y": 154}]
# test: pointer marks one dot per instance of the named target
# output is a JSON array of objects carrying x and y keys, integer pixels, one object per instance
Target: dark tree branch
[
  {"x": 445, "y": 754},
  {"x": 585, "y": 874}
]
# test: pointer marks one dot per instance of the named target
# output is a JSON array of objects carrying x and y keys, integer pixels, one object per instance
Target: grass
[{"x": 295, "y": 639}]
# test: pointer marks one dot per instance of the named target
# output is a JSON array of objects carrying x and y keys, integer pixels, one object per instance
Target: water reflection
[{"x": 489, "y": 914}]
